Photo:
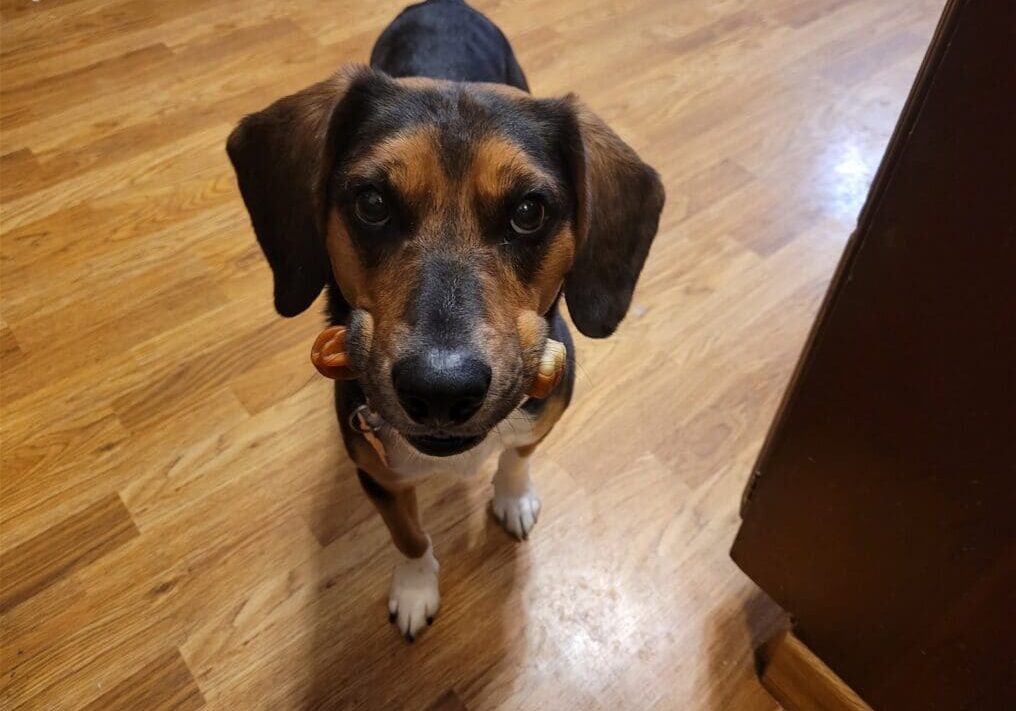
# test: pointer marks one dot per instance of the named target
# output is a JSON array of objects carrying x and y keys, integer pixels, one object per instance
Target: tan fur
[
  {"x": 393, "y": 283},
  {"x": 349, "y": 273},
  {"x": 550, "y": 414},
  {"x": 412, "y": 162},
  {"x": 532, "y": 330},
  {"x": 400, "y": 512},
  {"x": 425, "y": 83},
  {"x": 528, "y": 450},
  {"x": 558, "y": 259},
  {"x": 496, "y": 163},
  {"x": 402, "y": 517}
]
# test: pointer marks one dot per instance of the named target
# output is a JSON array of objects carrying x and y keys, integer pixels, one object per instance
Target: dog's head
[{"x": 451, "y": 216}]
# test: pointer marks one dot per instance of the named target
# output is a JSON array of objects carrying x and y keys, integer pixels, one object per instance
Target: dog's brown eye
[
  {"x": 527, "y": 217},
  {"x": 371, "y": 207}
]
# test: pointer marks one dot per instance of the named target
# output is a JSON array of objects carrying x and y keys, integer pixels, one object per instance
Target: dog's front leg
[
  {"x": 414, "y": 596},
  {"x": 515, "y": 504}
]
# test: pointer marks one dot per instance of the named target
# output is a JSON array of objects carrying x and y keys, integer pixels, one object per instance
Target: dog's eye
[
  {"x": 371, "y": 207},
  {"x": 527, "y": 217}
]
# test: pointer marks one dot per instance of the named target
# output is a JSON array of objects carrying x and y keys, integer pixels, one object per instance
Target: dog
[{"x": 445, "y": 211}]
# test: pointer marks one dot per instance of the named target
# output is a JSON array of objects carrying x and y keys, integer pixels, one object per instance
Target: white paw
[
  {"x": 414, "y": 597},
  {"x": 517, "y": 514}
]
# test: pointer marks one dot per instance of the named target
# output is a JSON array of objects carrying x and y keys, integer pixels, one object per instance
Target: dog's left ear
[
  {"x": 618, "y": 203},
  {"x": 283, "y": 156}
]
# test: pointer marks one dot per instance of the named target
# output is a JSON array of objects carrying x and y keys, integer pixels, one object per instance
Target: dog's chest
[{"x": 516, "y": 430}]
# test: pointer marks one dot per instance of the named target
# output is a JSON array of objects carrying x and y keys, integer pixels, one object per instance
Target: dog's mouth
[{"x": 439, "y": 445}]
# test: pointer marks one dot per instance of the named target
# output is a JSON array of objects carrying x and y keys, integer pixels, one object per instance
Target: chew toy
[
  {"x": 551, "y": 369},
  {"x": 330, "y": 357},
  {"x": 329, "y": 354}
]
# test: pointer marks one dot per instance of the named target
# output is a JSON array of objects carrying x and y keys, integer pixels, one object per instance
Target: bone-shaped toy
[{"x": 330, "y": 357}]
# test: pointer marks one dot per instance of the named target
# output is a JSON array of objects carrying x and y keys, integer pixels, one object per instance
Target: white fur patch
[
  {"x": 414, "y": 597},
  {"x": 516, "y": 430},
  {"x": 517, "y": 514},
  {"x": 515, "y": 503}
]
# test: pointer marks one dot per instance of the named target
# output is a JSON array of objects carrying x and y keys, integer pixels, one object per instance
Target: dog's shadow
[
  {"x": 356, "y": 658},
  {"x": 735, "y": 631}
]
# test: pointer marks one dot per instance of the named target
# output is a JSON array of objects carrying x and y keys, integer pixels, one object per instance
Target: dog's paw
[
  {"x": 414, "y": 597},
  {"x": 517, "y": 514}
]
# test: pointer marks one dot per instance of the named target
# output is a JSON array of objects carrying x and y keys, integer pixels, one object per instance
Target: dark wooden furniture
[{"x": 882, "y": 511}]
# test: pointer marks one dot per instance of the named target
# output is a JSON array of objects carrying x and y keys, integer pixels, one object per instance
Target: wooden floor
[{"x": 180, "y": 524}]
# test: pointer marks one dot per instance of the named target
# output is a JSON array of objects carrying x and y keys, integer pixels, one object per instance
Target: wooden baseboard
[{"x": 800, "y": 681}]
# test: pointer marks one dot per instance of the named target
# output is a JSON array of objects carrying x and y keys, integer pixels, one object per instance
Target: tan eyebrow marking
[
  {"x": 411, "y": 162},
  {"x": 497, "y": 166}
]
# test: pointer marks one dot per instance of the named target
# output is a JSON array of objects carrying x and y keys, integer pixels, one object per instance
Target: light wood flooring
[{"x": 180, "y": 524}]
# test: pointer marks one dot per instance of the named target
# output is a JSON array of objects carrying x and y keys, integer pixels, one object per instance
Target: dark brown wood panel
[{"x": 881, "y": 509}]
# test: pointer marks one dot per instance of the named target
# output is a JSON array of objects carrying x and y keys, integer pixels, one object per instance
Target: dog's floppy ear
[
  {"x": 283, "y": 156},
  {"x": 618, "y": 203}
]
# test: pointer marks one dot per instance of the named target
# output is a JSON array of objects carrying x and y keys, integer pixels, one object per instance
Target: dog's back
[{"x": 446, "y": 39}]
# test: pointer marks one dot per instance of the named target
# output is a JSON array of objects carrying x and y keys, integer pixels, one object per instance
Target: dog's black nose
[{"x": 441, "y": 386}]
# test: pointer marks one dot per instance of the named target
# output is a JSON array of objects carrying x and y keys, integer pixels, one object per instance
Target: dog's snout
[{"x": 440, "y": 386}]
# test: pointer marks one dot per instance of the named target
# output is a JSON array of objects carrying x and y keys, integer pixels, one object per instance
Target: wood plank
[
  {"x": 160, "y": 397},
  {"x": 10, "y": 352},
  {"x": 163, "y": 683},
  {"x": 800, "y": 681},
  {"x": 39, "y": 476},
  {"x": 75, "y": 542}
]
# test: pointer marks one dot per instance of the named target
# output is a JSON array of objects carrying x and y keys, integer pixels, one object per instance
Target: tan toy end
[
  {"x": 329, "y": 354},
  {"x": 552, "y": 365}
]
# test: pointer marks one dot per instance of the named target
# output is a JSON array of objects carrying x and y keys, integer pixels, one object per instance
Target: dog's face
[
  {"x": 450, "y": 231},
  {"x": 451, "y": 215}
]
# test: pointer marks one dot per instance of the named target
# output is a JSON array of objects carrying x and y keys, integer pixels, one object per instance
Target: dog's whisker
[
  {"x": 581, "y": 371},
  {"x": 512, "y": 425}
]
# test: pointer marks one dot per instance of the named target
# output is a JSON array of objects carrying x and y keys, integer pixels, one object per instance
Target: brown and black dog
[{"x": 446, "y": 210}]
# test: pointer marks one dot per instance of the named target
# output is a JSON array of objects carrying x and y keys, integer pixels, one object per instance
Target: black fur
[
  {"x": 446, "y": 303},
  {"x": 372, "y": 488},
  {"x": 446, "y": 39}
]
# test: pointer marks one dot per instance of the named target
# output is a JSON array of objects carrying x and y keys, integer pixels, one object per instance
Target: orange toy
[{"x": 329, "y": 356}]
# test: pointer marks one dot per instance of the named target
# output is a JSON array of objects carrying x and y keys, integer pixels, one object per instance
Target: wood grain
[
  {"x": 163, "y": 683},
  {"x": 76, "y": 541},
  {"x": 800, "y": 681},
  {"x": 180, "y": 522}
]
